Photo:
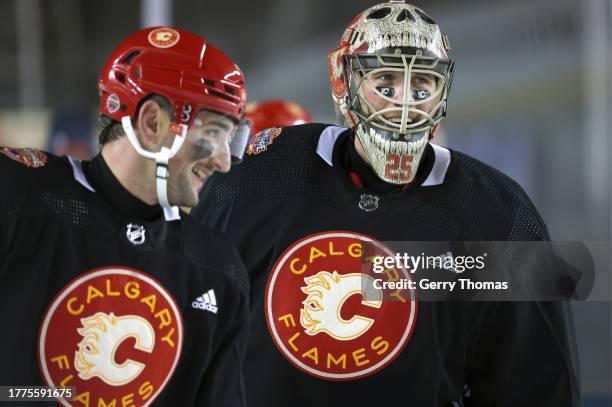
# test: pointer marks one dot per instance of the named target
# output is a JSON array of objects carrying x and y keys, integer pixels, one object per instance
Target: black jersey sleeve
[
  {"x": 16, "y": 181},
  {"x": 525, "y": 356},
  {"x": 525, "y": 353}
]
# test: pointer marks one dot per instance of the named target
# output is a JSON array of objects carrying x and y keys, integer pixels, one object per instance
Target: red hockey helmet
[
  {"x": 182, "y": 67},
  {"x": 187, "y": 70},
  {"x": 275, "y": 113}
]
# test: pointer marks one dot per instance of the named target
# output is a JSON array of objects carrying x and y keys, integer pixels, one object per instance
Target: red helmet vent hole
[
  {"x": 121, "y": 77},
  {"x": 209, "y": 82},
  {"x": 130, "y": 57},
  {"x": 220, "y": 94},
  {"x": 229, "y": 90}
]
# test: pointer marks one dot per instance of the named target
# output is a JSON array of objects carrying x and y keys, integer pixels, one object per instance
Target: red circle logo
[
  {"x": 324, "y": 310},
  {"x": 334, "y": 65},
  {"x": 164, "y": 37},
  {"x": 114, "y": 334}
]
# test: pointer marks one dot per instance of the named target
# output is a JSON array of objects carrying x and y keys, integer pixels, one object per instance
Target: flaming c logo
[
  {"x": 324, "y": 313},
  {"x": 102, "y": 335},
  {"x": 114, "y": 334},
  {"x": 327, "y": 293},
  {"x": 164, "y": 37}
]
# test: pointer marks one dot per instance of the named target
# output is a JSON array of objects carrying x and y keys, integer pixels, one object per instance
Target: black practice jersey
[
  {"x": 125, "y": 311},
  {"x": 293, "y": 211}
]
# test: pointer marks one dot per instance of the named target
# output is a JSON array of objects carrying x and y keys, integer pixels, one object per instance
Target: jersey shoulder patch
[
  {"x": 30, "y": 157},
  {"x": 260, "y": 141}
]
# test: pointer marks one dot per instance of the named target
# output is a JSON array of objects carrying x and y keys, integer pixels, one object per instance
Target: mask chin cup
[{"x": 394, "y": 158}]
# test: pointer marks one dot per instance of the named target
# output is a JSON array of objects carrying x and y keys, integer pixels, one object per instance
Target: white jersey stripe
[{"x": 213, "y": 299}]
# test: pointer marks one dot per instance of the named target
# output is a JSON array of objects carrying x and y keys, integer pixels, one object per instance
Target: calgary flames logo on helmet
[
  {"x": 341, "y": 327},
  {"x": 164, "y": 37},
  {"x": 115, "y": 335}
]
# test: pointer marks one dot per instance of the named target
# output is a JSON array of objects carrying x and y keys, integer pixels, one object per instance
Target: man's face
[
  {"x": 205, "y": 151},
  {"x": 420, "y": 91}
]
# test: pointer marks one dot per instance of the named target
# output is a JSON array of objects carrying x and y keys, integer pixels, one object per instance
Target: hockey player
[
  {"x": 275, "y": 113},
  {"x": 311, "y": 201},
  {"x": 106, "y": 287}
]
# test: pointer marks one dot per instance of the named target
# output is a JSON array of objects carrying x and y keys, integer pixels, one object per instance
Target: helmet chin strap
[{"x": 161, "y": 157}]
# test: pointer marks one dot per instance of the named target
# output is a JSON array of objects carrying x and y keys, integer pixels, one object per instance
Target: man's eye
[
  {"x": 386, "y": 91},
  {"x": 212, "y": 132},
  {"x": 421, "y": 94}
]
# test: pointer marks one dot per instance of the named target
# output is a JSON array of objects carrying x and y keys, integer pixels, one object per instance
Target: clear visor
[
  {"x": 210, "y": 137},
  {"x": 383, "y": 97}
]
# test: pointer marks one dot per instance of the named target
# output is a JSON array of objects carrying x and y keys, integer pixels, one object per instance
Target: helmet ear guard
[{"x": 403, "y": 41}]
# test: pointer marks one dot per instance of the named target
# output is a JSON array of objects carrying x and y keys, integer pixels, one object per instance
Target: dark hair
[{"x": 111, "y": 130}]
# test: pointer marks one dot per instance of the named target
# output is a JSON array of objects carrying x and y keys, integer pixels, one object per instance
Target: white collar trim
[
  {"x": 327, "y": 140},
  {"x": 79, "y": 175},
  {"x": 442, "y": 156},
  {"x": 441, "y": 162}
]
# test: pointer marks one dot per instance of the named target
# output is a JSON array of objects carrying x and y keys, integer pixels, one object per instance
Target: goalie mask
[{"x": 390, "y": 78}]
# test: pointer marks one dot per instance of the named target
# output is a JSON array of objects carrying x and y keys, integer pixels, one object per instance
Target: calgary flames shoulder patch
[
  {"x": 325, "y": 314},
  {"x": 260, "y": 141},
  {"x": 30, "y": 157},
  {"x": 114, "y": 334}
]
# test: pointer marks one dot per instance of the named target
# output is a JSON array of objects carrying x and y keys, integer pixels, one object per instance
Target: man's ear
[{"x": 152, "y": 125}]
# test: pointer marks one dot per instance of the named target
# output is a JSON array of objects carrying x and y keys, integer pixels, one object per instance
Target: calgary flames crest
[
  {"x": 113, "y": 334},
  {"x": 325, "y": 314}
]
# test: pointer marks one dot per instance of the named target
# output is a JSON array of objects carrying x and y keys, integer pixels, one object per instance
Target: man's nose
[
  {"x": 399, "y": 95},
  {"x": 221, "y": 160}
]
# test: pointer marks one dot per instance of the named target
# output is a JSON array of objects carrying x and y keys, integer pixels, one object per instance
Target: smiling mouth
[
  {"x": 200, "y": 173},
  {"x": 398, "y": 120}
]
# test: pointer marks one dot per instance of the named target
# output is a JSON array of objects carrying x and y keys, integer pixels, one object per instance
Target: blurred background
[{"x": 531, "y": 94}]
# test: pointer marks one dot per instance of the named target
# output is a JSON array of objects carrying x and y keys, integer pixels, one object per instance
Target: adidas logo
[{"x": 206, "y": 301}]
